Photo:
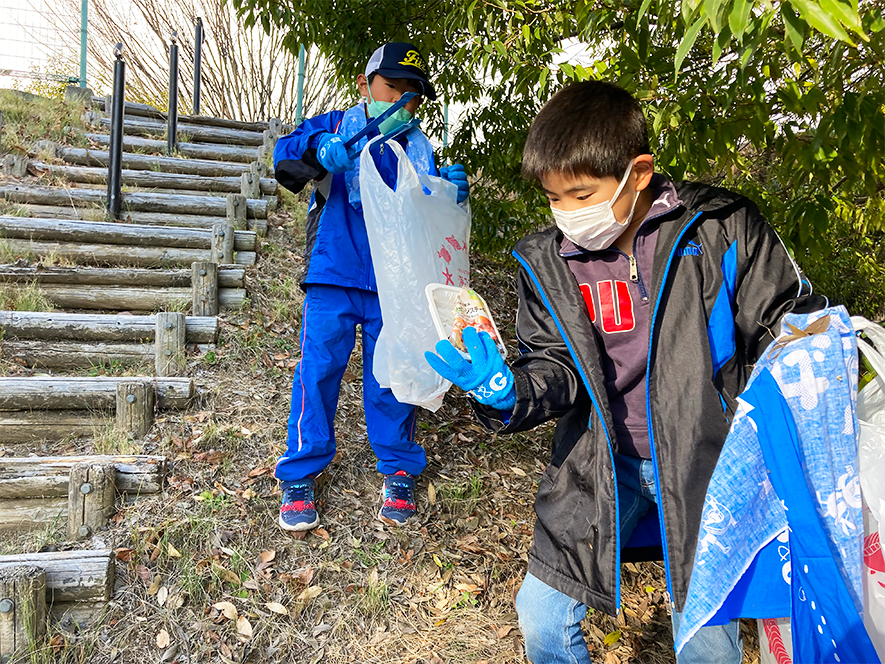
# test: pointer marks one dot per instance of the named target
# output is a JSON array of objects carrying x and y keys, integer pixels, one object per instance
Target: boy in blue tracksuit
[{"x": 340, "y": 289}]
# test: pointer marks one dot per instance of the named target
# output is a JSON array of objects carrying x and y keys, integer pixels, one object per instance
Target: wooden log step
[
  {"x": 45, "y": 477},
  {"x": 141, "y": 201},
  {"x": 131, "y": 298},
  {"x": 190, "y": 150},
  {"x": 194, "y": 133},
  {"x": 68, "y": 393},
  {"x": 102, "y": 232},
  {"x": 152, "y": 180},
  {"x": 22, "y": 426},
  {"x": 259, "y": 226},
  {"x": 32, "y": 513},
  {"x": 83, "y": 354},
  {"x": 229, "y": 276},
  {"x": 75, "y": 354},
  {"x": 143, "y": 110},
  {"x": 116, "y": 254},
  {"x": 71, "y": 576},
  {"x": 143, "y": 218},
  {"x": 144, "y": 162}
]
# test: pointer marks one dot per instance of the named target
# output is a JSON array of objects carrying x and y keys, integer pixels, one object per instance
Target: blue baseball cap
[{"x": 401, "y": 60}]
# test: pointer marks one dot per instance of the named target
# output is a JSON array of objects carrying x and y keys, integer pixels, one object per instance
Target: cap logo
[{"x": 414, "y": 59}]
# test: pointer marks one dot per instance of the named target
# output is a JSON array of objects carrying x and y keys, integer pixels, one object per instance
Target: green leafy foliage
[{"x": 784, "y": 102}]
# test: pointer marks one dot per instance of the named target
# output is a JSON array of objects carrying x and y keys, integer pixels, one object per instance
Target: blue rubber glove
[
  {"x": 485, "y": 377},
  {"x": 456, "y": 175},
  {"x": 332, "y": 155}
]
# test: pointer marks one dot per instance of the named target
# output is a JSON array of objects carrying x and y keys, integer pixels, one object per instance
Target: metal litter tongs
[{"x": 374, "y": 124}]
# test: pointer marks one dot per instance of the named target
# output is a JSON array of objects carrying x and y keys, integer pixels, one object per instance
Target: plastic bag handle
[
  {"x": 406, "y": 173},
  {"x": 873, "y": 346}
]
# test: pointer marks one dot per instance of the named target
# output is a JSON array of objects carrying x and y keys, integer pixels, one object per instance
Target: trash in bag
[
  {"x": 418, "y": 235},
  {"x": 871, "y": 467}
]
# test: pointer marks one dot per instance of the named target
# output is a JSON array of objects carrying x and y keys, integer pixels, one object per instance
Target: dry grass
[
  {"x": 206, "y": 567},
  {"x": 25, "y": 117}
]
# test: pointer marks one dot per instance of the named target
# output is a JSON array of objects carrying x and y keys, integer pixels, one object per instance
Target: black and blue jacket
[{"x": 721, "y": 281}]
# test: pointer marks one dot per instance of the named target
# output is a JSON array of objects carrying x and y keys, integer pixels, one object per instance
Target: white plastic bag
[
  {"x": 416, "y": 239},
  {"x": 871, "y": 468},
  {"x": 775, "y": 641}
]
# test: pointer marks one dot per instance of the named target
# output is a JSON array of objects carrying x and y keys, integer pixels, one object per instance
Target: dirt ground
[{"x": 205, "y": 575}]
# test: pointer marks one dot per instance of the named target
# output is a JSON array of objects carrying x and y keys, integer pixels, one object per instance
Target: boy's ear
[
  {"x": 643, "y": 169},
  {"x": 362, "y": 84}
]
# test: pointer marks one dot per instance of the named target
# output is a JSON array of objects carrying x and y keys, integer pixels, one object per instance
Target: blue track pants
[{"x": 328, "y": 335}]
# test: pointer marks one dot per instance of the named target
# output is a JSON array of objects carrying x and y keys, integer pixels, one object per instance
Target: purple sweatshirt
[{"x": 618, "y": 302}]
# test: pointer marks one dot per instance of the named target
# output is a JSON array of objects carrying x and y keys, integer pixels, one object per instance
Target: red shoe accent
[{"x": 298, "y": 506}]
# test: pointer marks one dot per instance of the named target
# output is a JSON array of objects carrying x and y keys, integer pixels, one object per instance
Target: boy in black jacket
[{"x": 640, "y": 316}]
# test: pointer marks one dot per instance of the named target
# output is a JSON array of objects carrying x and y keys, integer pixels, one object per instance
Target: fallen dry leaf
[
  {"x": 228, "y": 609},
  {"x": 276, "y": 607},
  {"x": 612, "y": 637},
  {"x": 227, "y": 575},
  {"x": 163, "y": 639},
  {"x": 431, "y": 493},
  {"x": 162, "y": 594},
  {"x": 504, "y": 631},
  {"x": 244, "y": 627},
  {"x": 172, "y": 552},
  {"x": 310, "y": 593},
  {"x": 267, "y": 556},
  {"x": 322, "y": 533},
  {"x": 517, "y": 471},
  {"x": 155, "y": 585}
]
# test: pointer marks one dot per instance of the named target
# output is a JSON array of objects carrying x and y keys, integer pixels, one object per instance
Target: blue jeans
[{"x": 551, "y": 621}]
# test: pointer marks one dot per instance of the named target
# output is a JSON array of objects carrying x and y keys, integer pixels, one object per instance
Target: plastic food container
[{"x": 453, "y": 308}]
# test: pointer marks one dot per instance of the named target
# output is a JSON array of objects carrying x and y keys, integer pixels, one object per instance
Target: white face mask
[{"x": 595, "y": 227}]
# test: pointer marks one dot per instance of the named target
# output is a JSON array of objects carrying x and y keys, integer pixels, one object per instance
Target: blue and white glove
[
  {"x": 456, "y": 175},
  {"x": 485, "y": 377},
  {"x": 332, "y": 155}
]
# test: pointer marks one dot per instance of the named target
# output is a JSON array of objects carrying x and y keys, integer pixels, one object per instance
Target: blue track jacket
[{"x": 337, "y": 246}]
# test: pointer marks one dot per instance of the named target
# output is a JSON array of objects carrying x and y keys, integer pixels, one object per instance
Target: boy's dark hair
[{"x": 591, "y": 128}]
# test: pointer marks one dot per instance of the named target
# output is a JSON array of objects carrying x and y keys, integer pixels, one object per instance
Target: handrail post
[
  {"x": 198, "y": 57},
  {"x": 115, "y": 155},
  {"x": 172, "y": 117},
  {"x": 84, "y": 35},
  {"x": 299, "y": 101}
]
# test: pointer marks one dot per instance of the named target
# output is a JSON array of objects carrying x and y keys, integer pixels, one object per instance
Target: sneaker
[
  {"x": 399, "y": 499},
  {"x": 298, "y": 511}
]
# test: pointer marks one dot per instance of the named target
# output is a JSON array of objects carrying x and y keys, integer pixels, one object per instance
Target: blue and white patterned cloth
[
  {"x": 782, "y": 529},
  {"x": 419, "y": 150}
]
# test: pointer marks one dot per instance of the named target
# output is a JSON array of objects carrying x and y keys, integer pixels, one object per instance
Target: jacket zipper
[
  {"x": 593, "y": 400},
  {"x": 651, "y": 435},
  {"x": 635, "y": 276}
]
